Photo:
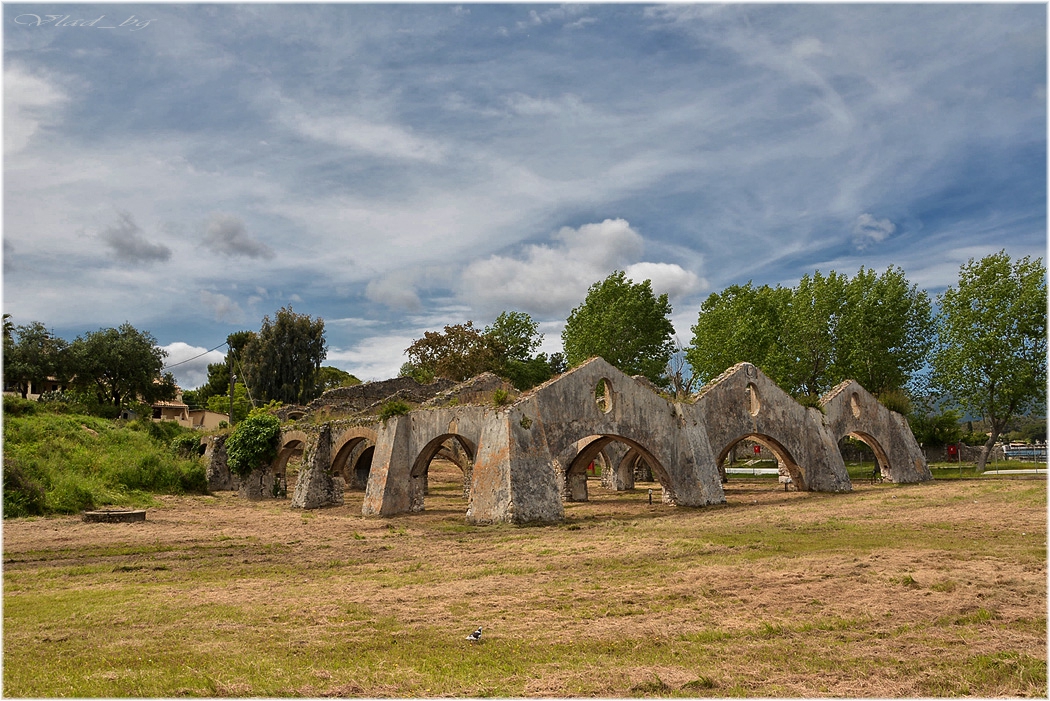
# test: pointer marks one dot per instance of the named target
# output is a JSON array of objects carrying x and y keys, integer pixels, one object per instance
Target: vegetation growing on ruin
[{"x": 253, "y": 442}]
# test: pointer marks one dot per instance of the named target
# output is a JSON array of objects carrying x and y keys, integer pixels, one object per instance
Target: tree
[
  {"x": 624, "y": 323},
  {"x": 991, "y": 349},
  {"x": 120, "y": 365},
  {"x": 281, "y": 361},
  {"x": 876, "y": 329},
  {"x": 885, "y": 333},
  {"x": 459, "y": 353},
  {"x": 31, "y": 355},
  {"x": 517, "y": 334},
  {"x": 519, "y": 337},
  {"x": 809, "y": 342},
  {"x": 329, "y": 377},
  {"x": 739, "y": 324},
  {"x": 220, "y": 404}
]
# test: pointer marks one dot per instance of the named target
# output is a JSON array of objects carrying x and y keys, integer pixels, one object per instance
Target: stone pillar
[
  {"x": 218, "y": 471},
  {"x": 389, "y": 489},
  {"x": 316, "y": 487}
]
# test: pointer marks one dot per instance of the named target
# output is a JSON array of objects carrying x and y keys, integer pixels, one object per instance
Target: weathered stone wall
[
  {"x": 853, "y": 411},
  {"x": 522, "y": 460},
  {"x": 744, "y": 403}
]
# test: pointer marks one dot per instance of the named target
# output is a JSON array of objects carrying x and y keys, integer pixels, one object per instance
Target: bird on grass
[{"x": 475, "y": 636}]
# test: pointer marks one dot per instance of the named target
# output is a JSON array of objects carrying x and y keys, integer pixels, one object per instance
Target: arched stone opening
[
  {"x": 613, "y": 452},
  {"x": 451, "y": 449},
  {"x": 874, "y": 451},
  {"x": 353, "y": 462},
  {"x": 291, "y": 451},
  {"x": 785, "y": 462}
]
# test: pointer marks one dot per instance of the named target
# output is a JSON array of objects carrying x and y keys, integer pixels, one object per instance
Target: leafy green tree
[
  {"x": 460, "y": 352},
  {"x": 420, "y": 375},
  {"x": 885, "y": 333},
  {"x": 808, "y": 348},
  {"x": 624, "y": 323},
  {"x": 329, "y": 377},
  {"x": 519, "y": 337},
  {"x": 876, "y": 329},
  {"x": 517, "y": 334},
  {"x": 120, "y": 365},
  {"x": 281, "y": 361},
  {"x": 739, "y": 324},
  {"x": 218, "y": 383},
  {"x": 991, "y": 350},
  {"x": 31, "y": 355},
  {"x": 935, "y": 429},
  {"x": 220, "y": 403}
]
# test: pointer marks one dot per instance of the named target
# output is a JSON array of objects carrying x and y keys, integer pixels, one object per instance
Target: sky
[{"x": 392, "y": 169}]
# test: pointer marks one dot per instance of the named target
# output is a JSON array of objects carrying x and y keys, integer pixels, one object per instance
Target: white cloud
[
  {"x": 30, "y": 103},
  {"x": 375, "y": 358},
  {"x": 376, "y": 139},
  {"x": 534, "y": 106},
  {"x": 868, "y": 230},
  {"x": 222, "y": 307},
  {"x": 395, "y": 292},
  {"x": 668, "y": 278},
  {"x": 191, "y": 363},
  {"x": 552, "y": 278}
]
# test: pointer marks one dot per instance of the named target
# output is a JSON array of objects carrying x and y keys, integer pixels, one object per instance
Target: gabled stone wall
[{"x": 521, "y": 459}]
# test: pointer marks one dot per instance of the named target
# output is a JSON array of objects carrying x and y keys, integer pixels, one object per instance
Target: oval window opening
[
  {"x": 603, "y": 396},
  {"x": 753, "y": 404}
]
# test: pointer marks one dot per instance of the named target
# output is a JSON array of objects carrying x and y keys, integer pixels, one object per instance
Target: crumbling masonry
[{"x": 522, "y": 459}]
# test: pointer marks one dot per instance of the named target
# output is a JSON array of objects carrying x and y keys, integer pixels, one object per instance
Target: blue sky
[{"x": 396, "y": 168}]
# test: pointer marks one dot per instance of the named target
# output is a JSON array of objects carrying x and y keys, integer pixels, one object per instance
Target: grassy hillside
[{"x": 68, "y": 462}]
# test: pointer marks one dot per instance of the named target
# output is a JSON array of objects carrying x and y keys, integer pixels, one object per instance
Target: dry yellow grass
[{"x": 926, "y": 590}]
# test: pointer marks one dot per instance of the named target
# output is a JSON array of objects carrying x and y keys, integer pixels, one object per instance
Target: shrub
[
  {"x": 393, "y": 408},
  {"x": 896, "y": 400},
  {"x": 809, "y": 400},
  {"x": 186, "y": 444},
  {"x": 499, "y": 397},
  {"x": 252, "y": 443},
  {"x": 23, "y": 495},
  {"x": 16, "y": 406}
]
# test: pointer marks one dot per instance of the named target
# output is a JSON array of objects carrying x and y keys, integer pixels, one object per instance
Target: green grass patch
[{"x": 67, "y": 463}]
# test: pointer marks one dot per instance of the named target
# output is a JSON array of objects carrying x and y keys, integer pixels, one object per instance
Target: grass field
[{"x": 926, "y": 590}]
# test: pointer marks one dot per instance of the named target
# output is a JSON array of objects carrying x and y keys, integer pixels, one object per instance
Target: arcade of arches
[{"x": 521, "y": 461}]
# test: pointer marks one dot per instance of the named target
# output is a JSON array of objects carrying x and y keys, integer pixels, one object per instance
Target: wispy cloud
[
  {"x": 31, "y": 102},
  {"x": 415, "y": 166},
  {"x": 222, "y": 307},
  {"x": 868, "y": 230}
]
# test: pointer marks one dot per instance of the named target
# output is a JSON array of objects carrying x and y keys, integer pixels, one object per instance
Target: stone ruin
[{"x": 523, "y": 457}]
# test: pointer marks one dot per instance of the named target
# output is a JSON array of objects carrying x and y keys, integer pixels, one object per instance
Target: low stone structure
[{"x": 522, "y": 459}]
